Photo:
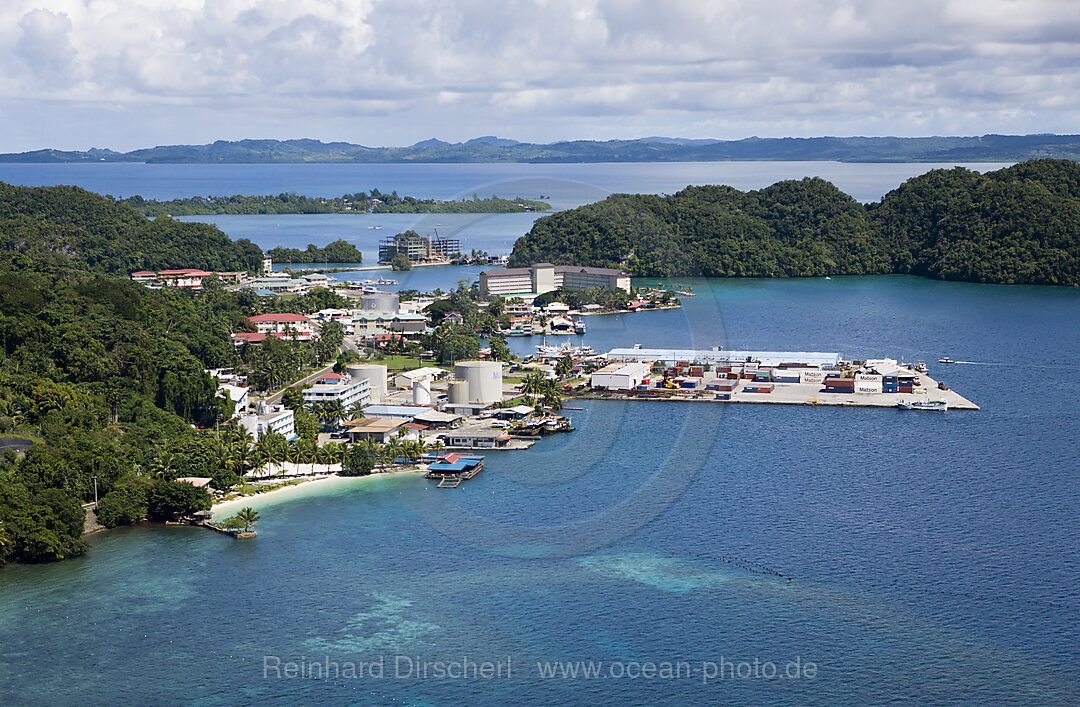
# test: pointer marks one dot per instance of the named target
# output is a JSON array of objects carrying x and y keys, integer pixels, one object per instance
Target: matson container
[
  {"x": 868, "y": 378},
  {"x": 811, "y": 376},
  {"x": 863, "y": 387}
]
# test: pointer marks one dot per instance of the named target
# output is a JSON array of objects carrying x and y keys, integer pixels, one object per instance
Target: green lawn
[{"x": 400, "y": 362}]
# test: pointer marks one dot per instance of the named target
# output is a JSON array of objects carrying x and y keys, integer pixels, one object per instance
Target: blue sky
[{"x": 124, "y": 74}]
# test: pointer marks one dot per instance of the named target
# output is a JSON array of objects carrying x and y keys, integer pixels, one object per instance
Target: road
[{"x": 276, "y": 397}]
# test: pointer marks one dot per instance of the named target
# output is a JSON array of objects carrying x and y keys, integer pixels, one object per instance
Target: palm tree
[
  {"x": 335, "y": 411},
  {"x": 249, "y": 517},
  {"x": 296, "y": 454},
  {"x": 162, "y": 464},
  {"x": 395, "y": 447},
  {"x": 534, "y": 383},
  {"x": 437, "y": 446},
  {"x": 356, "y": 412},
  {"x": 272, "y": 448},
  {"x": 320, "y": 455},
  {"x": 310, "y": 450},
  {"x": 335, "y": 453}
]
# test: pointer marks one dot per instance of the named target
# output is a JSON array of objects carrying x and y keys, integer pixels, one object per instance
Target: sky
[{"x": 125, "y": 74}]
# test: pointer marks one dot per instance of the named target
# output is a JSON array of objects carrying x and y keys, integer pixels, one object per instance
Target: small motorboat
[
  {"x": 926, "y": 405},
  {"x": 946, "y": 360}
]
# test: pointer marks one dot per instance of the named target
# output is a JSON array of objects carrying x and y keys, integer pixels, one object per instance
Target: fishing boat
[
  {"x": 545, "y": 351},
  {"x": 946, "y": 360},
  {"x": 930, "y": 405}
]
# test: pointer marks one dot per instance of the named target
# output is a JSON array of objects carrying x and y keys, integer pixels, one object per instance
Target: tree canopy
[{"x": 1016, "y": 225}]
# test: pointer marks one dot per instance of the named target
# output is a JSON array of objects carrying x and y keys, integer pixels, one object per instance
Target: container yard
[{"x": 769, "y": 377}]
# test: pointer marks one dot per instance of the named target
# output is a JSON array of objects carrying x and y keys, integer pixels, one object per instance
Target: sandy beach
[{"x": 312, "y": 486}]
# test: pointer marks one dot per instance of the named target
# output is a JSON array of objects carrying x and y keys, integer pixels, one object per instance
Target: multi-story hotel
[{"x": 545, "y": 277}]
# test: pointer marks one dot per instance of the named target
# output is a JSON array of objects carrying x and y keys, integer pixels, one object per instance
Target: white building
[
  {"x": 545, "y": 277},
  {"x": 295, "y": 326},
  {"x": 236, "y": 393},
  {"x": 816, "y": 359},
  {"x": 278, "y": 419},
  {"x": 620, "y": 376},
  {"x": 406, "y": 379},
  {"x": 349, "y": 392}
]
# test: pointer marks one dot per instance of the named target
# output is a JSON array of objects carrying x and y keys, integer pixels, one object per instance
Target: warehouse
[{"x": 620, "y": 376}]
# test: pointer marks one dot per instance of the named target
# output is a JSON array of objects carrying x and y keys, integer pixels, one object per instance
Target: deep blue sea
[{"x": 907, "y": 557}]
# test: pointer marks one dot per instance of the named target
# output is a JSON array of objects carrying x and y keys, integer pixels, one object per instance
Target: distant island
[
  {"x": 985, "y": 148},
  {"x": 359, "y": 203},
  {"x": 1019, "y": 225}
]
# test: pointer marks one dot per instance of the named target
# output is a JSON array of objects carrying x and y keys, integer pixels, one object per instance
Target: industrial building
[
  {"x": 483, "y": 382},
  {"x": 814, "y": 359},
  {"x": 374, "y": 429},
  {"x": 405, "y": 379},
  {"x": 623, "y": 375},
  {"x": 545, "y": 277},
  {"x": 374, "y": 374}
]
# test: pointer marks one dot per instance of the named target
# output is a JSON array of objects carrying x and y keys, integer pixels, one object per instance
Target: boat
[
  {"x": 545, "y": 351},
  {"x": 946, "y": 360},
  {"x": 385, "y": 281},
  {"x": 919, "y": 367},
  {"x": 579, "y": 326},
  {"x": 928, "y": 405}
]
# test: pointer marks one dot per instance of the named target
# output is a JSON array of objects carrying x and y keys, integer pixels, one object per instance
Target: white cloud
[{"x": 393, "y": 71}]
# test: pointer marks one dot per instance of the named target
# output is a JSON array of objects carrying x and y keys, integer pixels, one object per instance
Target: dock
[
  {"x": 811, "y": 394},
  {"x": 453, "y": 469}
]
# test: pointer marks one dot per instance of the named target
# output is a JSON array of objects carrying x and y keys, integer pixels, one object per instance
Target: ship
[
  {"x": 545, "y": 351},
  {"x": 930, "y": 405},
  {"x": 579, "y": 326}
]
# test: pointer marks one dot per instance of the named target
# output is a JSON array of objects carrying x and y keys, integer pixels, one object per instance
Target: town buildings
[{"x": 545, "y": 277}]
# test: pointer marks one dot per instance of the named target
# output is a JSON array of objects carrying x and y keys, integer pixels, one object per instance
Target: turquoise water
[{"x": 910, "y": 557}]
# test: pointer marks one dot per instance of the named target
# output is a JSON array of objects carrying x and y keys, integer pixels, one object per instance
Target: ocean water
[
  {"x": 906, "y": 557},
  {"x": 562, "y": 185},
  {"x": 915, "y": 558}
]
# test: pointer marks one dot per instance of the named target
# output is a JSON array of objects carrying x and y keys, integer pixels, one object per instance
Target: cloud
[{"x": 538, "y": 69}]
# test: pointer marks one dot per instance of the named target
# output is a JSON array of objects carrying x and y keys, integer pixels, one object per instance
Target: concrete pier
[{"x": 794, "y": 394}]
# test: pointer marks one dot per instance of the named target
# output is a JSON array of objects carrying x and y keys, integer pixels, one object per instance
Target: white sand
[{"x": 307, "y": 487}]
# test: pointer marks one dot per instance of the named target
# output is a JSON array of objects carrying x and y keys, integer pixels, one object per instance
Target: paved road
[{"x": 276, "y": 397}]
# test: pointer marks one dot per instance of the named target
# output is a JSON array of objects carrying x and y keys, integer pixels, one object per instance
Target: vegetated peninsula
[
  {"x": 985, "y": 148},
  {"x": 359, "y": 203},
  {"x": 97, "y": 233},
  {"x": 1019, "y": 225},
  {"x": 103, "y": 379}
]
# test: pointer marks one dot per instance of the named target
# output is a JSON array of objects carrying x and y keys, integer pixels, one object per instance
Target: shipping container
[
  {"x": 723, "y": 396},
  {"x": 697, "y": 371},
  {"x": 688, "y": 384},
  {"x": 785, "y": 379}
]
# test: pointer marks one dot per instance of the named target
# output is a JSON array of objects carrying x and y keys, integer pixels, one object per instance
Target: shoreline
[{"x": 227, "y": 506}]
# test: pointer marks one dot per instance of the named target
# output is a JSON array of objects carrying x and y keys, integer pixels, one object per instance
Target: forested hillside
[
  {"x": 99, "y": 234},
  {"x": 1016, "y": 225}
]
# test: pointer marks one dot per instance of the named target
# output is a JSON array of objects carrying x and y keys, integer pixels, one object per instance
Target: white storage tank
[
  {"x": 484, "y": 379},
  {"x": 374, "y": 374},
  {"x": 421, "y": 392},
  {"x": 458, "y": 393},
  {"x": 381, "y": 303}
]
